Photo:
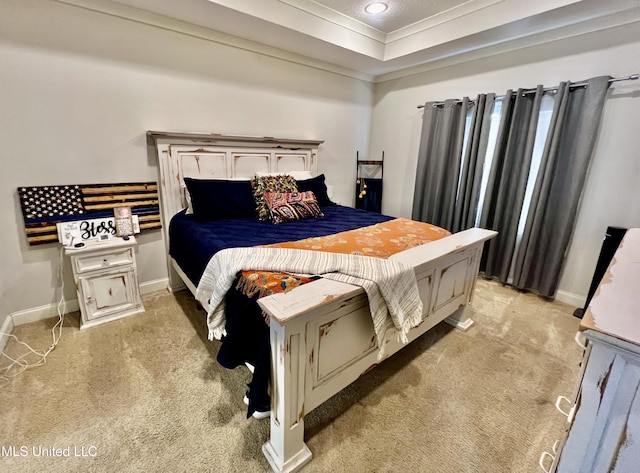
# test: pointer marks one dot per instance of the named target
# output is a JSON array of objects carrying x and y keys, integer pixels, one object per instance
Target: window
[{"x": 542, "y": 130}]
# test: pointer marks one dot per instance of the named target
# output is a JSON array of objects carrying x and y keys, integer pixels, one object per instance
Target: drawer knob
[{"x": 105, "y": 263}]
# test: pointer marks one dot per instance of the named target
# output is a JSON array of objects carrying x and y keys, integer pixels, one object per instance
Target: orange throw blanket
[{"x": 380, "y": 240}]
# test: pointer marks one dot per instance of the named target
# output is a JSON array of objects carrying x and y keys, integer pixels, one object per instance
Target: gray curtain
[
  {"x": 443, "y": 196},
  {"x": 448, "y": 183},
  {"x": 574, "y": 126},
  {"x": 439, "y": 162},
  {"x": 472, "y": 164},
  {"x": 508, "y": 179}
]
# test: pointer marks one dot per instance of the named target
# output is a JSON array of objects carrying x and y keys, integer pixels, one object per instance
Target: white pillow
[
  {"x": 329, "y": 191},
  {"x": 186, "y": 199},
  {"x": 297, "y": 175}
]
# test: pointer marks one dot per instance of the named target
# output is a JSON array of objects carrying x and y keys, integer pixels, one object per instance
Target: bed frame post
[
  {"x": 459, "y": 319},
  {"x": 285, "y": 450}
]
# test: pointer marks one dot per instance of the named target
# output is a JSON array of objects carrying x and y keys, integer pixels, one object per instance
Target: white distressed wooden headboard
[{"x": 214, "y": 156}]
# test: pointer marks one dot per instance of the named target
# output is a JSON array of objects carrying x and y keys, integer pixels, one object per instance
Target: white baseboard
[
  {"x": 43, "y": 312},
  {"x": 47, "y": 311},
  {"x": 7, "y": 328},
  {"x": 569, "y": 298},
  {"x": 153, "y": 286}
]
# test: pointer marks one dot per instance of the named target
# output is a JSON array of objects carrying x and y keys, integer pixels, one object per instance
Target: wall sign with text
[{"x": 95, "y": 229}]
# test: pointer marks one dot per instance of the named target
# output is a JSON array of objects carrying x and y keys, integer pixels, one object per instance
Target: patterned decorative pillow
[
  {"x": 291, "y": 206},
  {"x": 261, "y": 185}
]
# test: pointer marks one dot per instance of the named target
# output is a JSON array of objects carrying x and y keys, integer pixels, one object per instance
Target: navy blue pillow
[
  {"x": 219, "y": 199},
  {"x": 318, "y": 187}
]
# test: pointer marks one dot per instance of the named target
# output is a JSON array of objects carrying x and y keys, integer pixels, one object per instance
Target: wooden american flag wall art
[{"x": 45, "y": 206}]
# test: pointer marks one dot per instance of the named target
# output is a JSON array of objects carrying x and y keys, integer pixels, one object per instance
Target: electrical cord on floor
[{"x": 19, "y": 365}]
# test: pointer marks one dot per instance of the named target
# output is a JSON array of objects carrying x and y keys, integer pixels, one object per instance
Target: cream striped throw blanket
[{"x": 391, "y": 287}]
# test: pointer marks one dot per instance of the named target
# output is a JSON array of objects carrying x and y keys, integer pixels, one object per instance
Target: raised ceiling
[
  {"x": 412, "y": 35},
  {"x": 399, "y": 14}
]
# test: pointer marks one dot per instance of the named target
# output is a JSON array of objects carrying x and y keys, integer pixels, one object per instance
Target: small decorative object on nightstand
[
  {"x": 123, "y": 221},
  {"x": 106, "y": 279}
]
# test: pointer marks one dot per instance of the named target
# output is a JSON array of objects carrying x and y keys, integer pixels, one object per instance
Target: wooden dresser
[{"x": 603, "y": 433}]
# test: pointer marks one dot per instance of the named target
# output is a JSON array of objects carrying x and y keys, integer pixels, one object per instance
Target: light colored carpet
[{"x": 147, "y": 394}]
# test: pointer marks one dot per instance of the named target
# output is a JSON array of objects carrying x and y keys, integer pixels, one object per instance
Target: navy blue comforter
[{"x": 193, "y": 243}]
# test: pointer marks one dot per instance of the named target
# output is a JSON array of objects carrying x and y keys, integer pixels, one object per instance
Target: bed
[{"x": 320, "y": 335}]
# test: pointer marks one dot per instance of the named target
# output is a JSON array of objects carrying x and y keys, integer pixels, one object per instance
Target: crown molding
[
  {"x": 144, "y": 17},
  {"x": 539, "y": 37},
  {"x": 328, "y": 14},
  {"x": 440, "y": 46},
  {"x": 446, "y": 16}
]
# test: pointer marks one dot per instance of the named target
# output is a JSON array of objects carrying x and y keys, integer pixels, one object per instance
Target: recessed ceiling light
[{"x": 374, "y": 8}]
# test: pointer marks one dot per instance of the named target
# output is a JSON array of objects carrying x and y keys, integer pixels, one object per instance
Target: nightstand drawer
[{"x": 110, "y": 260}]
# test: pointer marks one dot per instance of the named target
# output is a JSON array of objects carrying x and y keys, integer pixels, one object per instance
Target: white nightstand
[{"x": 106, "y": 280}]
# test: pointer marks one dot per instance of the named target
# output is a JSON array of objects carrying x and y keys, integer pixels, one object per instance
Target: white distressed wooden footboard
[{"x": 322, "y": 335}]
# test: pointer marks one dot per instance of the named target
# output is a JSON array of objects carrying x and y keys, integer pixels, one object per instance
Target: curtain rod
[{"x": 550, "y": 89}]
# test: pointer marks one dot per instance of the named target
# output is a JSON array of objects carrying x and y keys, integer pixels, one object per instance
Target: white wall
[
  {"x": 79, "y": 90},
  {"x": 612, "y": 193}
]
